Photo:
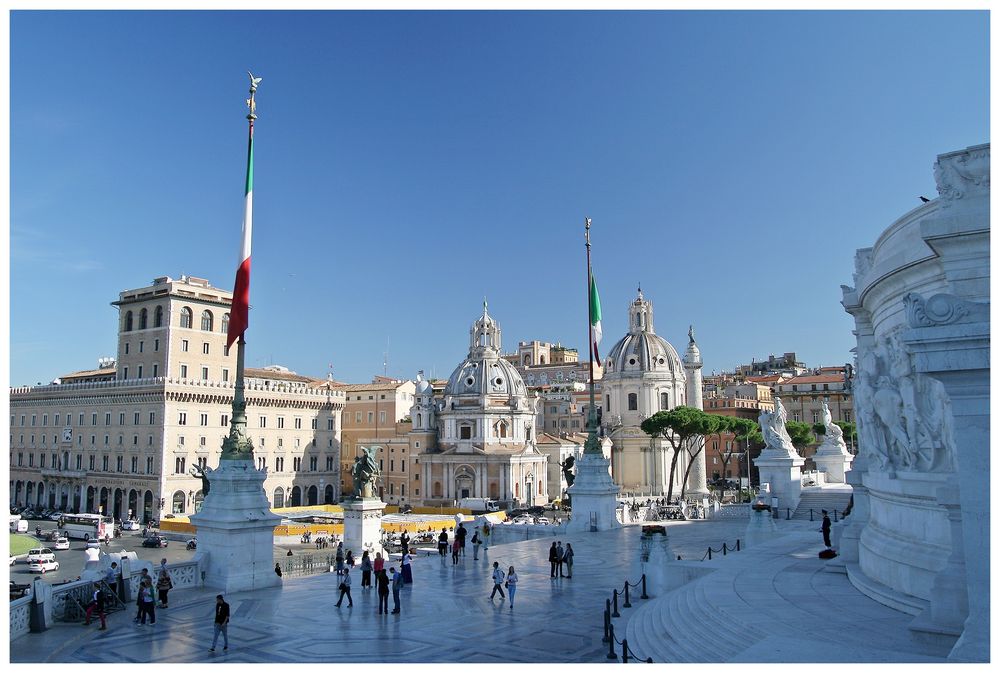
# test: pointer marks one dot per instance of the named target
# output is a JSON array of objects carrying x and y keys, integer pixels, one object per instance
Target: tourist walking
[
  {"x": 349, "y": 561},
  {"x": 397, "y": 584},
  {"x": 138, "y": 594},
  {"x": 221, "y": 623},
  {"x": 382, "y": 588},
  {"x": 379, "y": 563},
  {"x": 407, "y": 571},
  {"x": 498, "y": 578},
  {"x": 277, "y": 569},
  {"x": 111, "y": 578},
  {"x": 560, "y": 554},
  {"x": 511, "y": 585},
  {"x": 340, "y": 558},
  {"x": 147, "y": 603},
  {"x": 366, "y": 571},
  {"x": 460, "y": 536},
  {"x": 455, "y": 549},
  {"x": 443, "y": 543},
  {"x": 568, "y": 559},
  {"x": 163, "y": 583},
  {"x": 97, "y": 604},
  {"x": 826, "y": 529},
  {"x": 345, "y": 588},
  {"x": 553, "y": 560},
  {"x": 476, "y": 541}
]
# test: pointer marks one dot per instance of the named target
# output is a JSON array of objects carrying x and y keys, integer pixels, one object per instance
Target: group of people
[
  {"x": 509, "y": 581},
  {"x": 561, "y": 558},
  {"x": 384, "y": 581}
]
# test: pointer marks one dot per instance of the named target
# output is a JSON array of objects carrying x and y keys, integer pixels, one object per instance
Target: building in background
[
  {"x": 123, "y": 438},
  {"x": 479, "y": 440}
]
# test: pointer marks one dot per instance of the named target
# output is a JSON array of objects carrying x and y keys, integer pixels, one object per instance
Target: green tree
[
  {"x": 710, "y": 425},
  {"x": 682, "y": 427},
  {"x": 801, "y": 434}
]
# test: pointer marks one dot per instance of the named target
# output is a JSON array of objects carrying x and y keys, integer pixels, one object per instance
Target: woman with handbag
[
  {"x": 163, "y": 583},
  {"x": 366, "y": 571},
  {"x": 511, "y": 585}
]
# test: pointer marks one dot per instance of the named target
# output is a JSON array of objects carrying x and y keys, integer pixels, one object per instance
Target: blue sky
[{"x": 409, "y": 163}]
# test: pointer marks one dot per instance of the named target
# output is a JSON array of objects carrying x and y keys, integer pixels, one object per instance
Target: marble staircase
[
  {"x": 772, "y": 603},
  {"x": 819, "y": 498}
]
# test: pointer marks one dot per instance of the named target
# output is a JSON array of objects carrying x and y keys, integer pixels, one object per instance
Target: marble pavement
[{"x": 446, "y": 614}]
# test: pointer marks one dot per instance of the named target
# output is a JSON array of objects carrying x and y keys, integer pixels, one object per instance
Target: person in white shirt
[
  {"x": 345, "y": 588},
  {"x": 498, "y": 577}
]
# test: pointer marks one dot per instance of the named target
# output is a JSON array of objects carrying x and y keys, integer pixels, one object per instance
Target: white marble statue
[{"x": 772, "y": 427}]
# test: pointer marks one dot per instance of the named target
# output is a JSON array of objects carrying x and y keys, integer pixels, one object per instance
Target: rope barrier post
[
  {"x": 624, "y": 650},
  {"x": 810, "y": 514},
  {"x": 788, "y": 514},
  {"x": 709, "y": 553},
  {"x": 607, "y": 622},
  {"x": 644, "y": 596},
  {"x": 835, "y": 516},
  {"x": 614, "y": 604},
  {"x": 724, "y": 548},
  {"x": 627, "y": 603},
  {"x": 611, "y": 642},
  {"x": 737, "y": 544}
]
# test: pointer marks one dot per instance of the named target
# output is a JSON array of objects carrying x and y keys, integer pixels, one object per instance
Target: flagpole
[
  {"x": 238, "y": 446},
  {"x": 591, "y": 445}
]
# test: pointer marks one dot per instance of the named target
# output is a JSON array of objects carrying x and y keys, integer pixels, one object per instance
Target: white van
[
  {"x": 17, "y": 524},
  {"x": 479, "y": 504}
]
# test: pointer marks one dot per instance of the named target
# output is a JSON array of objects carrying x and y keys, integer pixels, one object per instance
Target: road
[{"x": 72, "y": 560}]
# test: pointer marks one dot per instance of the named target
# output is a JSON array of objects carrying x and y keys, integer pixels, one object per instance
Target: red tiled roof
[{"x": 823, "y": 378}]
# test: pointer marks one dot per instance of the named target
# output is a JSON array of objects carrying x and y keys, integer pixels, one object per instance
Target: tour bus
[{"x": 87, "y": 526}]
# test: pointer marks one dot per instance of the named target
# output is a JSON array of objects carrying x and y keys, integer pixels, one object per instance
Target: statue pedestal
[
  {"x": 363, "y": 526},
  {"x": 783, "y": 471},
  {"x": 833, "y": 458},
  {"x": 594, "y": 496},
  {"x": 236, "y": 529}
]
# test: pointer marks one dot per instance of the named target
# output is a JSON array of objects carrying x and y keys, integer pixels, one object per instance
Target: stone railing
[
  {"x": 737, "y": 511},
  {"x": 20, "y": 616},
  {"x": 308, "y": 564},
  {"x": 184, "y": 575},
  {"x": 61, "y": 606}
]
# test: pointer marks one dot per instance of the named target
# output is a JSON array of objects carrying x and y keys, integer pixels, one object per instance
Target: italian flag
[
  {"x": 595, "y": 315},
  {"x": 239, "y": 316}
]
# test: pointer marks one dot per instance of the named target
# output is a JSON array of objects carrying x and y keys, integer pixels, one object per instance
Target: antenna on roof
[{"x": 385, "y": 358}]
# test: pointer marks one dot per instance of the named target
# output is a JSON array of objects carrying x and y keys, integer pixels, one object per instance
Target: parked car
[
  {"x": 155, "y": 541},
  {"x": 542, "y": 520},
  {"x": 130, "y": 524},
  {"x": 41, "y": 554},
  {"x": 51, "y": 535},
  {"x": 54, "y": 516},
  {"x": 93, "y": 543},
  {"x": 536, "y": 510},
  {"x": 41, "y": 565},
  {"x": 13, "y": 559},
  {"x": 522, "y": 519},
  {"x": 61, "y": 543}
]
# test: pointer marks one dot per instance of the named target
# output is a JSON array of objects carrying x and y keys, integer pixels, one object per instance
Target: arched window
[
  {"x": 143, "y": 315},
  {"x": 158, "y": 317},
  {"x": 539, "y": 487},
  {"x": 225, "y": 323},
  {"x": 527, "y": 360},
  {"x": 664, "y": 401},
  {"x": 199, "y": 499},
  {"x": 178, "y": 502},
  {"x": 541, "y": 359},
  {"x": 502, "y": 429},
  {"x": 128, "y": 321},
  {"x": 186, "y": 317},
  {"x": 279, "y": 497},
  {"x": 516, "y": 491},
  {"x": 437, "y": 489},
  {"x": 633, "y": 402},
  {"x": 206, "y": 321},
  {"x": 420, "y": 420}
]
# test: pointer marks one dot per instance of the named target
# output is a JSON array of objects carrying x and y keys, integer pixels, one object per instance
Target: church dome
[
  {"x": 484, "y": 372},
  {"x": 642, "y": 350}
]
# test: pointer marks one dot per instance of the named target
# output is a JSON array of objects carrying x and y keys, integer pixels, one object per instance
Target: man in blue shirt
[{"x": 397, "y": 584}]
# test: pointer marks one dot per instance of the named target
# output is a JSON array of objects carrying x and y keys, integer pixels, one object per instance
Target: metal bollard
[
  {"x": 614, "y": 603},
  {"x": 627, "y": 603},
  {"x": 624, "y": 650},
  {"x": 835, "y": 516},
  {"x": 644, "y": 596},
  {"x": 607, "y": 623},
  {"x": 611, "y": 642},
  {"x": 788, "y": 514},
  {"x": 737, "y": 544},
  {"x": 810, "y": 514},
  {"x": 724, "y": 548},
  {"x": 709, "y": 553}
]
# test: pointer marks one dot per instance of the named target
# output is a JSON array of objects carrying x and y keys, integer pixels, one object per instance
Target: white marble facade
[{"x": 920, "y": 536}]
